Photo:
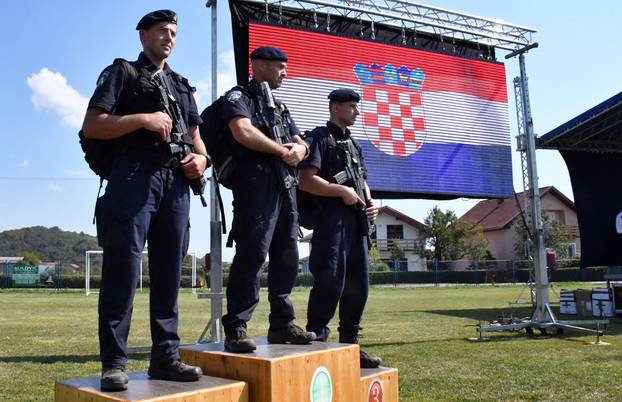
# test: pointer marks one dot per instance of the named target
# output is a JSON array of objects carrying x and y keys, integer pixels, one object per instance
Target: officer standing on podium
[
  {"x": 265, "y": 216},
  {"x": 147, "y": 198},
  {"x": 338, "y": 259}
]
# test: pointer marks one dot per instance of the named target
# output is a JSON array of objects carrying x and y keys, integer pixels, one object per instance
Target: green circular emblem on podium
[{"x": 321, "y": 386}]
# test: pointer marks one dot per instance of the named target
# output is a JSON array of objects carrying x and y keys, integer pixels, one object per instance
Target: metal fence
[
  {"x": 436, "y": 273},
  {"x": 489, "y": 271}
]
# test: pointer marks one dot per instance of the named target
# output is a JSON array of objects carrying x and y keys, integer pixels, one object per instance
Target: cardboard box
[
  {"x": 602, "y": 308},
  {"x": 602, "y": 303},
  {"x": 567, "y": 302},
  {"x": 617, "y": 297},
  {"x": 568, "y": 306},
  {"x": 584, "y": 302},
  {"x": 601, "y": 294}
]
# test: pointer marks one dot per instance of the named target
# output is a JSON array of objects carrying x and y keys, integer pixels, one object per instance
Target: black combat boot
[
  {"x": 321, "y": 335},
  {"x": 366, "y": 360},
  {"x": 175, "y": 371},
  {"x": 236, "y": 341},
  {"x": 114, "y": 379},
  {"x": 290, "y": 334}
]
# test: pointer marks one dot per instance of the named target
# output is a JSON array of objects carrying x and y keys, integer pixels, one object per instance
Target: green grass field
[{"x": 48, "y": 335}]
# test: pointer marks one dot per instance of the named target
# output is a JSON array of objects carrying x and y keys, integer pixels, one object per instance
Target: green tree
[
  {"x": 30, "y": 258},
  {"x": 396, "y": 250},
  {"x": 373, "y": 258},
  {"x": 556, "y": 237},
  {"x": 382, "y": 267},
  {"x": 47, "y": 243},
  {"x": 444, "y": 237},
  {"x": 397, "y": 254}
]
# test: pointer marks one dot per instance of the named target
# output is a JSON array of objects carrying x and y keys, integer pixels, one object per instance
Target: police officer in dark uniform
[
  {"x": 147, "y": 199},
  {"x": 338, "y": 259},
  {"x": 265, "y": 217}
]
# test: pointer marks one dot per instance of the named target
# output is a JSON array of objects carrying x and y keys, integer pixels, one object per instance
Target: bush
[{"x": 382, "y": 267}]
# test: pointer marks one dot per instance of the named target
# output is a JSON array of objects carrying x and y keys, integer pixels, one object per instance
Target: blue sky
[{"x": 54, "y": 52}]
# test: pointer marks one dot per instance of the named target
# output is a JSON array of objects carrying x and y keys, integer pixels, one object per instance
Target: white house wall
[{"x": 415, "y": 263}]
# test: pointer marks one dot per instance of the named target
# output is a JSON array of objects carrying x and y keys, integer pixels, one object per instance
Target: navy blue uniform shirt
[
  {"x": 319, "y": 142},
  {"x": 113, "y": 79},
  {"x": 239, "y": 103}
]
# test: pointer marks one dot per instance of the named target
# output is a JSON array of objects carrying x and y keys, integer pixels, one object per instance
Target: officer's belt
[{"x": 155, "y": 155}]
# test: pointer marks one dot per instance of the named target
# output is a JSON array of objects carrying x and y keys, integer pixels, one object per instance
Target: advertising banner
[{"x": 25, "y": 276}]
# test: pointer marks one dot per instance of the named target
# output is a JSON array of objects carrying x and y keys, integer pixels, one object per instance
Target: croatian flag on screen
[{"x": 431, "y": 124}]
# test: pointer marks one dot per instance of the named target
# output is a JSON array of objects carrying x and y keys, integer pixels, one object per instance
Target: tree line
[{"x": 39, "y": 243}]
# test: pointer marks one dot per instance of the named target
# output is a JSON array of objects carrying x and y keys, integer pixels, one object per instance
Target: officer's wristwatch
[
  {"x": 307, "y": 150},
  {"x": 207, "y": 164}
]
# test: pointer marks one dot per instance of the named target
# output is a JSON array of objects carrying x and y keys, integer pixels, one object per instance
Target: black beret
[
  {"x": 156, "y": 16},
  {"x": 268, "y": 53},
  {"x": 344, "y": 95}
]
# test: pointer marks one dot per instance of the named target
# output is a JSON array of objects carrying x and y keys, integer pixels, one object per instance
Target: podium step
[
  {"x": 285, "y": 373},
  {"x": 143, "y": 389},
  {"x": 379, "y": 385}
]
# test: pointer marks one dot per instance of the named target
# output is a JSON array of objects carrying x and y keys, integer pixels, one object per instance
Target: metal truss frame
[
  {"x": 416, "y": 17},
  {"x": 597, "y": 135},
  {"x": 543, "y": 318}
]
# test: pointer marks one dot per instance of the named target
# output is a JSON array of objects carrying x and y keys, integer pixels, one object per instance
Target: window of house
[
  {"x": 395, "y": 232},
  {"x": 557, "y": 215}
]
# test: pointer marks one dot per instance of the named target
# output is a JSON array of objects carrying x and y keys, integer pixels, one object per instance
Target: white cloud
[
  {"x": 25, "y": 164},
  {"x": 228, "y": 58},
  {"x": 226, "y": 80},
  {"x": 55, "y": 187},
  {"x": 52, "y": 92}
]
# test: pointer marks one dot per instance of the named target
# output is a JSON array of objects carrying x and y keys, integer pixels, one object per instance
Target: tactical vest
[
  {"x": 254, "y": 93},
  {"x": 143, "y": 97},
  {"x": 334, "y": 161}
]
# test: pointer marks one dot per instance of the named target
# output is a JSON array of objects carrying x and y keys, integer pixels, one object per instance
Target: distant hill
[{"x": 47, "y": 243}]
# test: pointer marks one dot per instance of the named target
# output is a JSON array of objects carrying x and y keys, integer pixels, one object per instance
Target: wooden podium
[
  {"x": 379, "y": 385},
  {"x": 319, "y": 372},
  {"x": 143, "y": 389}
]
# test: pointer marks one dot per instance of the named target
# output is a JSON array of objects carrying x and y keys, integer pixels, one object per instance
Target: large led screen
[{"x": 432, "y": 125}]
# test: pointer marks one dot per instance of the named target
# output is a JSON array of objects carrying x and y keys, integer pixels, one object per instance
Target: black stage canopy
[
  {"x": 591, "y": 145},
  {"x": 597, "y": 130}
]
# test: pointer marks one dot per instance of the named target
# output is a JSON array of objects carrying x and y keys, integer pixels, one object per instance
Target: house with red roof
[{"x": 498, "y": 216}]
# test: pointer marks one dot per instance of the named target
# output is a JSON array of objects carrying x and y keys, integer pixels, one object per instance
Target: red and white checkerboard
[{"x": 393, "y": 118}]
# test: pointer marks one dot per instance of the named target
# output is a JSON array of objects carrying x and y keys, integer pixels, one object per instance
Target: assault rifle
[
  {"x": 273, "y": 121},
  {"x": 353, "y": 172},
  {"x": 179, "y": 142}
]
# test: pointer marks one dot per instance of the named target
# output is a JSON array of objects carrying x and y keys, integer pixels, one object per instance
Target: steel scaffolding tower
[
  {"x": 542, "y": 317},
  {"x": 215, "y": 294}
]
